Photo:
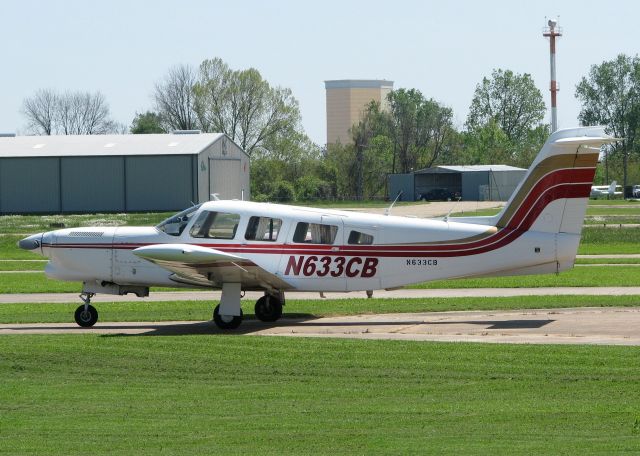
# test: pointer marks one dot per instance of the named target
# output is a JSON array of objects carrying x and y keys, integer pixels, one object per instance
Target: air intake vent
[{"x": 91, "y": 234}]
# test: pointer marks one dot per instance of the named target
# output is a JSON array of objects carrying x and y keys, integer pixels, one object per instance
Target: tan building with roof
[{"x": 346, "y": 100}]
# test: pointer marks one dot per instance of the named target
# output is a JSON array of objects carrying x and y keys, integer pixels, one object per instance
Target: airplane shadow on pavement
[{"x": 251, "y": 326}]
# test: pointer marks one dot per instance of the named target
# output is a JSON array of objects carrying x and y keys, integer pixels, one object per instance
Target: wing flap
[{"x": 204, "y": 266}]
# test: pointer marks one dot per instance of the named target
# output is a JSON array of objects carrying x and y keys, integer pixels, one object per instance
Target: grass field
[
  {"x": 22, "y": 265},
  {"x": 225, "y": 394},
  {"x": 607, "y": 260},
  {"x": 85, "y": 394},
  {"x": 142, "y": 310}
]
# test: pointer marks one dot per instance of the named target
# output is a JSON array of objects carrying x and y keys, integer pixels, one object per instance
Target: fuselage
[{"x": 309, "y": 249}]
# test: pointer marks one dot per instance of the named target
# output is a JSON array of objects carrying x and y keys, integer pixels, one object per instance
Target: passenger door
[{"x": 312, "y": 262}]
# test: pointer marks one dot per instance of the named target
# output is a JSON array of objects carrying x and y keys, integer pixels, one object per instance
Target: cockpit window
[
  {"x": 175, "y": 224},
  {"x": 215, "y": 225},
  {"x": 263, "y": 229},
  {"x": 315, "y": 233}
]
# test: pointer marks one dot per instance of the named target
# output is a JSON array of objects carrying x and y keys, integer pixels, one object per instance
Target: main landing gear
[
  {"x": 86, "y": 315},
  {"x": 228, "y": 314}
]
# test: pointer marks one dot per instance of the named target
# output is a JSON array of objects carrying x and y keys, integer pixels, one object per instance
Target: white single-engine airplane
[
  {"x": 240, "y": 245},
  {"x": 598, "y": 191}
]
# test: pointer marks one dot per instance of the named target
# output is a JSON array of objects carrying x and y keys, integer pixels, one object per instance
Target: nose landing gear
[
  {"x": 268, "y": 308},
  {"x": 86, "y": 315}
]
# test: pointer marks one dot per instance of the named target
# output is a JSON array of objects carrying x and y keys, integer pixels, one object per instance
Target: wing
[{"x": 195, "y": 265}]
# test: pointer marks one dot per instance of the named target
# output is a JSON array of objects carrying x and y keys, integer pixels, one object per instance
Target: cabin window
[
  {"x": 358, "y": 238},
  {"x": 215, "y": 225},
  {"x": 315, "y": 233},
  {"x": 263, "y": 229}
]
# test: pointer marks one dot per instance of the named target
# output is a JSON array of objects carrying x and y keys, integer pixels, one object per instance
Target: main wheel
[
  {"x": 226, "y": 321},
  {"x": 86, "y": 318},
  {"x": 268, "y": 308}
]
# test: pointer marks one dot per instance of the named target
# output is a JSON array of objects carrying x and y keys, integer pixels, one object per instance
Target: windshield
[{"x": 175, "y": 224}]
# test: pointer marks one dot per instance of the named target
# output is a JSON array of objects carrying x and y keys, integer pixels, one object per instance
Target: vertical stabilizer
[{"x": 553, "y": 196}]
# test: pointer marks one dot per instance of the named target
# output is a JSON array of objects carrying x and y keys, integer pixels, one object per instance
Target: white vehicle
[
  {"x": 239, "y": 245},
  {"x": 599, "y": 191},
  {"x": 635, "y": 191}
]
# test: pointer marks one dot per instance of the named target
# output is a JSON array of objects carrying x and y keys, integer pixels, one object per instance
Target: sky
[{"x": 443, "y": 49}]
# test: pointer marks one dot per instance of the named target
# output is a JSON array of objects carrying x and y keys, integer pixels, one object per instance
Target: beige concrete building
[{"x": 346, "y": 100}]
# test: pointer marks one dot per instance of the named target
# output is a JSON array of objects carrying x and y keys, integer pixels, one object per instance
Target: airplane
[
  {"x": 598, "y": 191},
  {"x": 240, "y": 246}
]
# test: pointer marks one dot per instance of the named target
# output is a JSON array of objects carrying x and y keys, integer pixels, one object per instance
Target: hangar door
[{"x": 224, "y": 178}]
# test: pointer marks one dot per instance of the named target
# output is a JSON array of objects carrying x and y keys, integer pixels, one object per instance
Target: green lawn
[
  {"x": 617, "y": 210},
  {"x": 608, "y": 260},
  {"x": 596, "y": 276},
  {"x": 213, "y": 394},
  {"x": 611, "y": 220},
  {"x": 22, "y": 224},
  {"x": 22, "y": 265},
  {"x": 142, "y": 310},
  {"x": 614, "y": 202}
]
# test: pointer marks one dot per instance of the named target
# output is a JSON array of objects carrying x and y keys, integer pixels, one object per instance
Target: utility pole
[{"x": 551, "y": 32}]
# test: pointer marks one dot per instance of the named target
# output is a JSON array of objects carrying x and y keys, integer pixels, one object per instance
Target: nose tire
[{"x": 86, "y": 318}]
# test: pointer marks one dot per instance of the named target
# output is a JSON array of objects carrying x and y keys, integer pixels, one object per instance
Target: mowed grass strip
[
  {"x": 202, "y": 310},
  {"x": 22, "y": 224},
  {"x": 596, "y": 276},
  {"x": 606, "y": 260},
  {"x": 212, "y": 394},
  {"x": 26, "y": 265},
  {"x": 600, "y": 276}
]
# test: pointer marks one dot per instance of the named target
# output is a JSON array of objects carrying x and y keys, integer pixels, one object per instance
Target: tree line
[{"x": 405, "y": 132}]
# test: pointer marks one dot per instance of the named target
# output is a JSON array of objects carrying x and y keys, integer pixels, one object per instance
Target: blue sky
[{"x": 122, "y": 48}]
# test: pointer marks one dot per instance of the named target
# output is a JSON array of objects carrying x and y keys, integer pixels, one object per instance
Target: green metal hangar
[
  {"x": 471, "y": 183},
  {"x": 119, "y": 173}
]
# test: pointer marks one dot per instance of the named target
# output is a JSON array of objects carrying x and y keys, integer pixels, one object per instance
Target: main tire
[
  {"x": 226, "y": 321},
  {"x": 268, "y": 309},
  {"x": 86, "y": 318}
]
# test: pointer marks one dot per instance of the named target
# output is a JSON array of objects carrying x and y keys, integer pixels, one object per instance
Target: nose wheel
[
  {"x": 86, "y": 315},
  {"x": 268, "y": 308}
]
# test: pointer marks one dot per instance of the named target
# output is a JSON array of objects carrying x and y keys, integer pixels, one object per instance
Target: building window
[
  {"x": 358, "y": 238},
  {"x": 315, "y": 233},
  {"x": 263, "y": 229},
  {"x": 215, "y": 225}
]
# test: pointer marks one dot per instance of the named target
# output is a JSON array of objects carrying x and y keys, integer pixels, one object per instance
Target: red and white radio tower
[{"x": 552, "y": 32}]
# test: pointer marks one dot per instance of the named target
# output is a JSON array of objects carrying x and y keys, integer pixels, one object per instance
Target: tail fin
[
  {"x": 553, "y": 196},
  {"x": 612, "y": 188}
]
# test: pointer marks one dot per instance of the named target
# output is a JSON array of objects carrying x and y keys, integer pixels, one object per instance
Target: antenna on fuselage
[
  {"x": 446, "y": 217},
  {"x": 215, "y": 197},
  {"x": 387, "y": 211}
]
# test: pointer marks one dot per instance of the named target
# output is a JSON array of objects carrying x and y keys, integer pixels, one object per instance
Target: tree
[
  {"x": 84, "y": 113},
  {"x": 371, "y": 150},
  {"x": 149, "y": 122},
  {"x": 419, "y": 129},
  {"x": 243, "y": 105},
  {"x": 511, "y": 100},
  {"x": 40, "y": 111},
  {"x": 610, "y": 95},
  {"x": 175, "y": 101},
  {"x": 72, "y": 113}
]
